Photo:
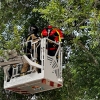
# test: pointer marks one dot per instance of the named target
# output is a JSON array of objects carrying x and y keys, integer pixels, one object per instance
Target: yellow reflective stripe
[
  {"x": 41, "y": 34},
  {"x": 28, "y": 38},
  {"x": 59, "y": 35}
]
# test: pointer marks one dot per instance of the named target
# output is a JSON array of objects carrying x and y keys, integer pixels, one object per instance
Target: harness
[{"x": 32, "y": 37}]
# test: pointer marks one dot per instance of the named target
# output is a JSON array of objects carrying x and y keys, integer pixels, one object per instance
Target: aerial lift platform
[{"x": 49, "y": 77}]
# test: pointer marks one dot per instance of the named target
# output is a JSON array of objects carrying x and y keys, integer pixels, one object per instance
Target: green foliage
[
  {"x": 53, "y": 12},
  {"x": 80, "y": 21}
]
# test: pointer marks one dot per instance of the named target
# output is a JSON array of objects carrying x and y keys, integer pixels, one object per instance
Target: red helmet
[{"x": 49, "y": 26}]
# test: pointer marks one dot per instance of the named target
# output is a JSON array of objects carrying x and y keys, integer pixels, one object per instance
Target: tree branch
[
  {"x": 81, "y": 22},
  {"x": 89, "y": 53}
]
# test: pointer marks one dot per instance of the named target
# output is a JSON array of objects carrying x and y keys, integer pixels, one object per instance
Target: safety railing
[
  {"x": 55, "y": 60},
  {"x": 39, "y": 50}
]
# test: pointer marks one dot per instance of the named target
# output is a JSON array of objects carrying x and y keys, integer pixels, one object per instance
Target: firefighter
[
  {"x": 54, "y": 34},
  {"x": 32, "y": 35}
]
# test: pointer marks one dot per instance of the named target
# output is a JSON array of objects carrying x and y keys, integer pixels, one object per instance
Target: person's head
[
  {"x": 49, "y": 26},
  {"x": 33, "y": 29}
]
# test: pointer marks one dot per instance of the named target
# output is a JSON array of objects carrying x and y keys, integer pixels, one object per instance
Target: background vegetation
[{"x": 80, "y": 22}]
